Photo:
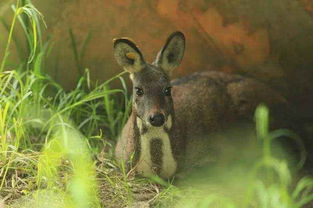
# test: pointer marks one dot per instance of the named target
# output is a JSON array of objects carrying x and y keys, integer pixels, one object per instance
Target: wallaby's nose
[{"x": 157, "y": 120}]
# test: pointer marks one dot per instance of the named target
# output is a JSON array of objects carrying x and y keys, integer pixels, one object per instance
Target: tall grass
[{"x": 36, "y": 114}]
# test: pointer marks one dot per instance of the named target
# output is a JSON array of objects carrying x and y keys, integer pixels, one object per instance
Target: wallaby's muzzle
[{"x": 157, "y": 120}]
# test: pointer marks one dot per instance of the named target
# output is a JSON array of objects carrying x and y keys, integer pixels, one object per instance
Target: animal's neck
[{"x": 156, "y": 155}]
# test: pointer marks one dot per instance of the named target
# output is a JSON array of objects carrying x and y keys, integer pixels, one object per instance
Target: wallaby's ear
[
  {"x": 128, "y": 55},
  {"x": 172, "y": 53}
]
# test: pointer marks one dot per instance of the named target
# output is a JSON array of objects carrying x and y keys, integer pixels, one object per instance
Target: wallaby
[{"x": 166, "y": 115}]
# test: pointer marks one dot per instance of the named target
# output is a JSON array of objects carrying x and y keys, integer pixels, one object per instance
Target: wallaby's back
[
  {"x": 214, "y": 114},
  {"x": 207, "y": 101}
]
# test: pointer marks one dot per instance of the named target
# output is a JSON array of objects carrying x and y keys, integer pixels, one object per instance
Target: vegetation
[{"x": 56, "y": 146}]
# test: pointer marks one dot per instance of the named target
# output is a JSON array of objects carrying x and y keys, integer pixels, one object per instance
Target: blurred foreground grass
[{"x": 56, "y": 146}]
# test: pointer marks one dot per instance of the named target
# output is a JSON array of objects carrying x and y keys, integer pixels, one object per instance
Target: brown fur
[{"x": 218, "y": 98}]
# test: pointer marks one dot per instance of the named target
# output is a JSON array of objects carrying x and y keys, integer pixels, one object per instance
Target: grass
[{"x": 56, "y": 146}]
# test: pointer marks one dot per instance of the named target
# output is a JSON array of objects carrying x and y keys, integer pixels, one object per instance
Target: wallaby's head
[{"x": 151, "y": 82}]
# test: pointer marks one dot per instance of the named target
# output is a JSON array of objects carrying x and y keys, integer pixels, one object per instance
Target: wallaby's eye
[
  {"x": 167, "y": 91},
  {"x": 139, "y": 91}
]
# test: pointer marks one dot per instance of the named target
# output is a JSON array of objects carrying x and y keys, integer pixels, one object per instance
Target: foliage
[{"x": 36, "y": 113}]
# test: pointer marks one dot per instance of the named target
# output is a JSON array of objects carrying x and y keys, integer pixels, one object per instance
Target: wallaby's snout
[{"x": 157, "y": 120}]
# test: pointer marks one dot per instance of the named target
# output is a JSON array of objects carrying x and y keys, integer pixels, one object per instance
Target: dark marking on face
[{"x": 156, "y": 154}]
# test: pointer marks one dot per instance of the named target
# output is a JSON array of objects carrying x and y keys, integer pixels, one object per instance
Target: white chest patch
[{"x": 145, "y": 165}]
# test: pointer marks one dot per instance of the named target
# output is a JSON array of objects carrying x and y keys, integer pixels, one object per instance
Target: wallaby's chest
[{"x": 156, "y": 156}]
